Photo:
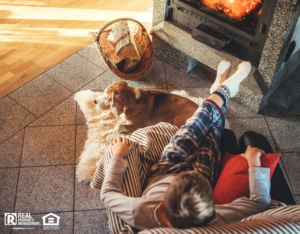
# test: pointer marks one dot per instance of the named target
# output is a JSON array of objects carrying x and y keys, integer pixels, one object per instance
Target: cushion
[
  {"x": 149, "y": 143},
  {"x": 233, "y": 181},
  {"x": 280, "y": 220}
]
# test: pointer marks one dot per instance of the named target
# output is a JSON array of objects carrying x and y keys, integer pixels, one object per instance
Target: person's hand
[
  {"x": 119, "y": 147},
  {"x": 252, "y": 155}
]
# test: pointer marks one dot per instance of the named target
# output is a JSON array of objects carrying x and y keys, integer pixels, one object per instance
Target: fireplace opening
[
  {"x": 243, "y": 14},
  {"x": 238, "y": 27}
]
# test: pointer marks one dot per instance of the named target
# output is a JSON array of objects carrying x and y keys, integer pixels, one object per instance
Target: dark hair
[{"x": 189, "y": 201}]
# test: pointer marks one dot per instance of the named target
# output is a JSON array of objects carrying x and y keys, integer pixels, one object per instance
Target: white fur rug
[{"x": 101, "y": 131}]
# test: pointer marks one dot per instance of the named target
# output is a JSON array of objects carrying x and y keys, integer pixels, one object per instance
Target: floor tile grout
[
  {"x": 55, "y": 106},
  {"x": 41, "y": 126},
  {"x": 281, "y": 116},
  {"x": 8, "y": 167},
  {"x": 80, "y": 87},
  {"x": 90, "y": 60},
  {"x": 289, "y": 182},
  {"x": 52, "y": 165},
  {"x": 206, "y": 86},
  {"x": 58, "y": 82},
  {"x": 23, "y": 107},
  {"x": 88, "y": 210},
  {"x": 35, "y": 116},
  {"x": 19, "y": 170},
  {"x": 93, "y": 80},
  {"x": 271, "y": 134},
  {"x": 13, "y": 135},
  {"x": 249, "y": 117}
]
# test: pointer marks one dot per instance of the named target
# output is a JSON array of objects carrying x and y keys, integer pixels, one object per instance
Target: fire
[{"x": 247, "y": 11}]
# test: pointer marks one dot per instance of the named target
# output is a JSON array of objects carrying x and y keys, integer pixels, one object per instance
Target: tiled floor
[{"x": 43, "y": 133}]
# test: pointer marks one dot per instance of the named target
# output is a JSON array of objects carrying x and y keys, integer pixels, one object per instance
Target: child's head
[{"x": 189, "y": 201}]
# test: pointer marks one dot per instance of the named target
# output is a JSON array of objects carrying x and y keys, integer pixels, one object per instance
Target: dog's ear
[
  {"x": 119, "y": 99},
  {"x": 122, "y": 83},
  {"x": 114, "y": 93}
]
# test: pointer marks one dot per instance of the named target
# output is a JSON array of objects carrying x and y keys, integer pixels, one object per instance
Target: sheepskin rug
[{"x": 101, "y": 131}]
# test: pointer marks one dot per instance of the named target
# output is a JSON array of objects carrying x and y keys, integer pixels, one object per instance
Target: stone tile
[
  {"x": 63, "y": 114},
  {"x": 81, "y": 136},
  {"x": 8, "y": 181},
  {"x": 291, "y": 162},
  {"x": 177, "y": 79},
  {"x": 5, "y": 229},
  {"x": 80, "y": 119},
  {"x": 102, "y": 82},
  {"x": 56, "y": 146},
  {"x": 10, "y": 150},
  {"x": 236, "y": 110},
  {"x": 295, "y": 109},
  {"x": 13, "y": 118},
  {"x": 74, "y": 72},
  {"x": 86, "y": 198},
  {"x": 93, "y": 221},
  {"x": 46, "y": 189},
  {"x": 155, "y": 79},
  {"x": 65, "y": 224},
  {"x": 286, "y": 132},
  {"x": 91, "y": 53},
  {"x": 284, "y": 97},
  {"x": 259, "y": 125},
  {"x": 40, "y": 94},
  {"x": 297, "y": 199},
  {"x": 203, "y": 75},
  {"x": 168, "y": 54}
]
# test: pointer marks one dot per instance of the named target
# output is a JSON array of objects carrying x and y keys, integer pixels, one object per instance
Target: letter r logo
[{"x": 10, "y": 219}]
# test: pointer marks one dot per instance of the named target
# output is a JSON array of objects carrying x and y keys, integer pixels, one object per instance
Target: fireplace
[
  {"x": 192, "y": 33},
  {"x": 238, "y": 27}
]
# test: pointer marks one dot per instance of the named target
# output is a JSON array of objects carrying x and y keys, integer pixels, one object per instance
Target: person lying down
[{"x": 180, "y": 195}]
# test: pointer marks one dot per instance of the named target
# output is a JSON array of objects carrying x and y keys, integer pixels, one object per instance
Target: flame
[{"x": 242, "y": 10}]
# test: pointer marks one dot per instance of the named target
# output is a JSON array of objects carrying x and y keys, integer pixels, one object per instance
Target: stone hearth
[{"x": 185, "y": 52}]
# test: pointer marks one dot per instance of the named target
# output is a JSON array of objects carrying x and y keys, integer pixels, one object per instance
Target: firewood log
[
  {"x": 109, "y": 50},
  {"x": 124, "y": 40},
  {"x": 130, "y": 64}
]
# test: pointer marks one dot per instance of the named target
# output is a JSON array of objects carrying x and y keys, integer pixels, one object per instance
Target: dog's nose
[{"x": 95, "y": 101}]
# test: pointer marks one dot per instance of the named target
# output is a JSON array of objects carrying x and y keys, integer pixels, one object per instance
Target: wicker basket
[{"x": 146, "y": 51}]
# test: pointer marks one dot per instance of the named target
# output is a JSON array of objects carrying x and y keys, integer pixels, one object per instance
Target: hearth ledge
[{"x": 180, "y": 38}]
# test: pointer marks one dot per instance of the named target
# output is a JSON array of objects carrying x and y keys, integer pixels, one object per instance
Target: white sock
[
  {"x": 234, "y": 81},
  {"x": 222, "y": 74}
]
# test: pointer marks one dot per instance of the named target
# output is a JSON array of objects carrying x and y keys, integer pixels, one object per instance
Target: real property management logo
[
  {"x": 10, "y": 219},
  {"x": 26, "y": 221}
]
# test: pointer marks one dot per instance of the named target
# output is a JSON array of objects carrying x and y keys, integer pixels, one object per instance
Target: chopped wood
[
  {"x": 130, "y": 65},
  {"x": 109, "y": 50},
  {"x": 124, "y": 37}
]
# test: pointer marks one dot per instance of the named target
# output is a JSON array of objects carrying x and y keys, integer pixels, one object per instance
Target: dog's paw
[{"x": 120, "y": 129}]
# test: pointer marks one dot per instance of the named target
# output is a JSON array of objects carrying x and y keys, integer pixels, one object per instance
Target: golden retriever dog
[{"x": 143, "y": 108}]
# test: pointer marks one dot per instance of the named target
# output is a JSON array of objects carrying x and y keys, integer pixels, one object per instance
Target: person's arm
[
  {"x": 259, "y": 200},
  {"x": 135, "y": 211}
]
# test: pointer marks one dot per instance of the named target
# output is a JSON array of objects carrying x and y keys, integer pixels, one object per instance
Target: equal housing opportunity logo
[{"x": 26, "y": 221}]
